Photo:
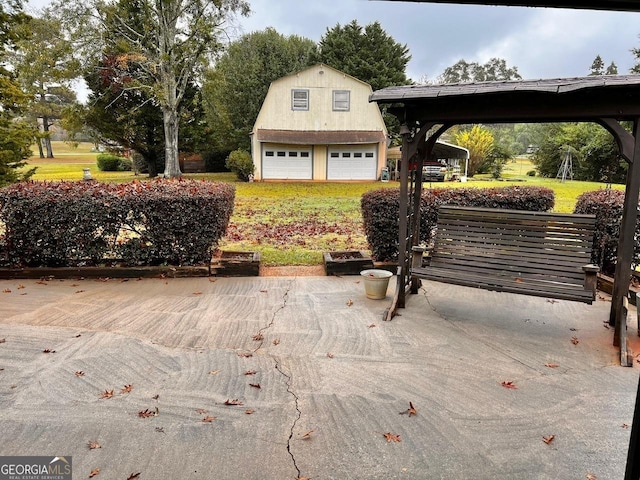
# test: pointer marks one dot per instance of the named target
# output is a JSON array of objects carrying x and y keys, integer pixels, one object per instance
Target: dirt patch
[{"x": 293, "y": 271}]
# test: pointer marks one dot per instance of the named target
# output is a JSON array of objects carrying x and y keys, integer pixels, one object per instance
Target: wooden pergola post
[{"x": 618, "y": 314}]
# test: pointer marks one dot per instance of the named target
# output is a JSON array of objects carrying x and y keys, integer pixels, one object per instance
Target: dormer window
[
  {"x": 299, "y": 99},
  {"x": 341, "y": 100}
]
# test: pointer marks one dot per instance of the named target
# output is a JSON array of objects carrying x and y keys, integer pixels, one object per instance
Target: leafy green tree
[
  {"x": 594, "y": 152},
  {"x": 235, "y": 89},
  {"x": 129, "y": 118},
  {"x": 612, "y": 69},
  {"x": 479, "y": 141},
  {"x": 15, "y": 135},
  {"x": 597, "y": 67},
  {"x": 495, "y": 69},
  {"x": 369, "y": 54},
  {"x": 45, "y": 68},
  {"x": 168, "y": 42}
]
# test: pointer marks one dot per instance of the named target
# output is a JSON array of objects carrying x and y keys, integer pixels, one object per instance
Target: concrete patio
[{"x": 331, "y": 378}]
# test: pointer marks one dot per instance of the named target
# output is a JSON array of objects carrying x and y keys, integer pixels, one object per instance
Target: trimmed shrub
[
  {"x": 380, "y": 210},
  {"x": 240, "y": 163},
  {"x": 175, "y": 222},
  {"x": 607, "y": 206},
  {"x": 57, "y": 224},
  {"x": 88, "y": 223},
  {"x": 113, "y": 163}
]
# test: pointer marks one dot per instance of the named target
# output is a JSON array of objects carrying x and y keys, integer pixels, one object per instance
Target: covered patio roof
[{"x": 621, "y": 5}]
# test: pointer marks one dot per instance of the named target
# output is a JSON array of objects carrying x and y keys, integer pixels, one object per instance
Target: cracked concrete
[
  {"x": 278, "y": 366},
  {"x": 186, "y": 346}
]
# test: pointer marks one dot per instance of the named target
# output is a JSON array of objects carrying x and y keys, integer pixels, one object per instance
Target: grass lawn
[{"x": 292, "y": 223}]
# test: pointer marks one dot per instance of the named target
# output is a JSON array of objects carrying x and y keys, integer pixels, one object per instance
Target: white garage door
[
  {"x": 357, "y": 162},
  {"x": 287, "y": 163}
]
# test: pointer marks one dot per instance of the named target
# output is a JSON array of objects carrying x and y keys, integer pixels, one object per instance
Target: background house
[{"x": 318, "y": 124}]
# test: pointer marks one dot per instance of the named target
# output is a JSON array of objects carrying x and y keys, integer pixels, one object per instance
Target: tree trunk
[
  {"x": 47, "y": 138},
  {"x": 40, "y": 150},
  {"x": 172, "y": 164}
]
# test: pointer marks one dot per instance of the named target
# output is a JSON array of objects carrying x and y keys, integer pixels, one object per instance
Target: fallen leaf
[
  {"x": 548, "y": 439},
  {"x": 372, "y": 325},
  {"x": 412, "y": 410},
  {"x": 197, "y": 293},
  {"x": 213, "y": 280},
  {"x": 79, "y": 291},
  {"x": 160, "y": 429},
  {"x": 235, "y": 401},
  {"x": 46, "y": 350},
  {"x": 552, "y": 301},
  {"x": 276, "y": 341},
  {"x": 258, "y": 337},
  {"x": 248, "y": 411},
  {"x": 575, "y": 340},
  {"x": 519, "y": 280},
  {"x": 208, "y": 419},
  {"x": 591, "y": 476},
  {"x": 307, "y": 435},
  {"x": 3, "y": 340},
  {"x": 20, "y": 287},
  {"x": 93, "y": 445},
  {"x": 202, "y": 411},
  {"x": 624, "y": 425},
  {"x": 146, "y": 413},
  {"x": 6, "y": 290},
  {"x": 264, "y": 291},
  {"x": 126, "y": 389},
  {"x": 41, "y": 282},
  {"x": 250, "y": 372},
  {"x": 23, "y": 294},
  {"x": 349, "y": 303},
  {"x": 606, "y": 325},
  {"x": 255, "y": 385},
  {"x": 214, "y": 372},
  {"x": 94, "y": 472},
  {"x": 156, "y": 396},
  {"x": 75, "y": 285},
  {"x": 245, "y": 355},
  {"x": 77, "y": 336},
  {"x": 79, "y": 373},
  {"x": 551, "y": 365},
  {"x": 106, "y": 394},
  {"x": 510, "y": 385},
  {"x": 330, "y": 355},
  {"x": 391, "y": 437},
  {"x": 133, "y": 475},
  {"x": 572, "y": 329}
]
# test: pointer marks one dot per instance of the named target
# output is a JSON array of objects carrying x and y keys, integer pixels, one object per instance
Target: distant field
[{"x": 292, "y": 223}]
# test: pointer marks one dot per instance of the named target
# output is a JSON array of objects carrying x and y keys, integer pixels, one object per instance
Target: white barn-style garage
[{"x": 318, "y": 125}]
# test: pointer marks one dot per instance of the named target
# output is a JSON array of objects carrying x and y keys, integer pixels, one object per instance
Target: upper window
[
  {"x": 341, "y": 100},
  {"x": 300, "y": 99}
]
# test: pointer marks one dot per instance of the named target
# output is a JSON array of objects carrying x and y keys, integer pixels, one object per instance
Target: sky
[{"x": 541, "y": 42}]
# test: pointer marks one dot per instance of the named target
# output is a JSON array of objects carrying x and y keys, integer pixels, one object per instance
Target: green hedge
[
  {"x": 175, "y": 222},
  {"x": 380, "y": 210},
  {"x": 113, "y": 163},
  {"x": 607, "y": 206}
]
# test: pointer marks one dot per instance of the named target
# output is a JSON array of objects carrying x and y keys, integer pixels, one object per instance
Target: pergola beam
[{"x": 620, "y": 5}]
